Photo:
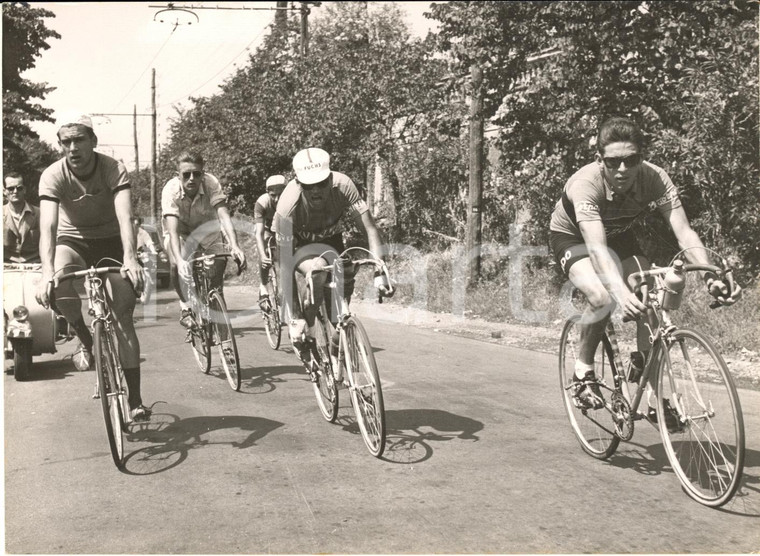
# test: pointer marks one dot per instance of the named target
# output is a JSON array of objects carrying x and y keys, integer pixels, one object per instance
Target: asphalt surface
[{"x": 480, "y": 459}]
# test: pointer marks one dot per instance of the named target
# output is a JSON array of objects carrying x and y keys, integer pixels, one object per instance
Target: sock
[
  {"x": 132, "y": 376},
  {"x": 582, "y": 368},
  {"x": 83, "y": 333}
]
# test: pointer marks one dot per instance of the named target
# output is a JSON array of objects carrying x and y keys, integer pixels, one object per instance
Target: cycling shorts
[
  {"x": 569, "y": 249},
  {"x": 106, "y": 251}
]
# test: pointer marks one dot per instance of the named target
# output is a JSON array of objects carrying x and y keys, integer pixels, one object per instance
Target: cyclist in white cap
[
  {"x": 86, "y": 220},
  {"x": 308, "y": 221},
  {"x": 263, "y": 215}
]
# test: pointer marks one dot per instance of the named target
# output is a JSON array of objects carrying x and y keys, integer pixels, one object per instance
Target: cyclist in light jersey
[
  {"x": 592, "y": 240},
  {"x": 308, "y": 222},
  {"x": 263, "y": 215}
]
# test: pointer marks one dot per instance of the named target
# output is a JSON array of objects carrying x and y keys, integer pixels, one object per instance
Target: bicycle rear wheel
[
  {"x": 594, "y": 428},
  {"x": 111, "y": 391},
  {"x": 705, "y": 441},
  {"x": 200, "y": 342},
  {"x": 366, "y": 390},
  {"x": 224, "y": 339},
  {"x": 272, "y": 322},
  {"x": 325, "y": 388}
]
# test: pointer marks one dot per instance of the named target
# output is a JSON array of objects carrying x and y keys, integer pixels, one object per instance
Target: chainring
[{"x": 621, "y": 412}]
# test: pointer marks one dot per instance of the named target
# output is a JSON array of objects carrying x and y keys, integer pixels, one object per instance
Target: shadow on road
[
  {"x": 410, "y": 432},
  {"x": 50, "y": 370},
  {"x": 652, "y": 460},
  {"x": 173, "y": 438},
  {"x": 262, "y": 380}
]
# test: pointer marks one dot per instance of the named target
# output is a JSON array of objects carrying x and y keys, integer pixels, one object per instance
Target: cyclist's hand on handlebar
[
  {"x": 239, "y": 257},
  {"x": 384, "y": 288},
  {"x": 133, "y": 272},
  {"x": 44, "y": 287},
  {"x": 719, "y": 289},
  {"x": 184, "y": 270},
  {"x": 266, "y": 262},
  {"x": 632, "y": 306}
]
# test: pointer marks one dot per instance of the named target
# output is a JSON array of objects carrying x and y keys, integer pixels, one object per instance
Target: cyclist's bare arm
[
  {"x": 175, "y": 247},
  {"x": 123, "y": 206},
  {"x": 696, "y": 253},
  {"x": 223, "y": 214},
  {"x": 48, "y": 230},
  {"x": 258, "y": 231},
  {"x": 596, "y": 241},
  {"x": 366, "y": 224}
]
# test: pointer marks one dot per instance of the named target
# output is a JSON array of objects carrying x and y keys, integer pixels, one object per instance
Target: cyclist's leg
[{"x": 69, "y": 259}]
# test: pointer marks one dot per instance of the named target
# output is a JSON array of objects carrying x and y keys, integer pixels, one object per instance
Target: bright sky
[{"x": 102, "y": 63}]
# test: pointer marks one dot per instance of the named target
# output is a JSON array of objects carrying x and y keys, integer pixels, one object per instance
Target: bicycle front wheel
[
  {"x": 113, "y": 395},
  {"x": 272, "y": 322},
  {"x": 366, "y": 390},
  {"x": 325, "y": 388},
  {"x": 224, "y": 339},
  {"x": 700, "y": 419},
  {"x": 200, "y": 342},
  {"x": 594, "y": 428}
]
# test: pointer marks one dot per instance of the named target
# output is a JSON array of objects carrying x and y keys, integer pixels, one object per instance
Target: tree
[{"x": 24, "y": 36}]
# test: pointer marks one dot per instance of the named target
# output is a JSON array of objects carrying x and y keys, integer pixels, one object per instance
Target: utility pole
[
  {"x": 281, "y": 17},
  {"x": 474, "y": 216},
  {"x": 153, "y": 204},
  {"x": 134, "y": 134},
  {"x": 304, "y": 29}
]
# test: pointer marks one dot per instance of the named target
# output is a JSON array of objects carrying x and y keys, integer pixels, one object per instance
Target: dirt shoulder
[{"x": 744, "y": 366}]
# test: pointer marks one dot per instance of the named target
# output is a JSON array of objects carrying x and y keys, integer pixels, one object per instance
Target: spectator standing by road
[{"x": 21, "y": 223}]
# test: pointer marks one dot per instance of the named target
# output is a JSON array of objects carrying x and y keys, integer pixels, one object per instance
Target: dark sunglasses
[
  {"x": 614, "y": 162},
  {"x": 195, "y": 173},
  {"x": 319, "y": 185},
  {"x": 13, "y": 188}
]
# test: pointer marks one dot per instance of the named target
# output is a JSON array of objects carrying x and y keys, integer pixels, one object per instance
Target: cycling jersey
[
  {"x": 263, "y": 211},
  {"x": 586, "y": 197},
  {"x": 86, "y": 204},
  {"x": 311, "y": 225},
  {"x": 196, "y": 212}
]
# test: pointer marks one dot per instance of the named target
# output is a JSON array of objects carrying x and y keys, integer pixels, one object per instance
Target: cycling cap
[
  {"x": 276, "y": 183},
  {"x": 75, "y": 118},
  {"x": 311, "y": 166}
]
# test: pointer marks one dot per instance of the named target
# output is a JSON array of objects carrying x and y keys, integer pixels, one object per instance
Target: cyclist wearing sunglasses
[
  {"x": 263, "y": 215},
  {"x": 85, "y": 221},
  {"x": 195, "y": 214},
  {"x": 308, "y": 222},
  {"x": 21, "y": 224},
  {"x": 593, "y": 241}
]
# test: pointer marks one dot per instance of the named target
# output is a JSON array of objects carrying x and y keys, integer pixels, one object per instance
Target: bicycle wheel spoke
[
  {"x": 594, "y": 428},
  {"x": 366, "y": 389},
  {"x": 225, "y": 339},
  {"x": 706, "y": 446},
  {"x": 325, "y": 388},
  {"x": 272, "y": 323},
  {"x": 109, "y": 387}
]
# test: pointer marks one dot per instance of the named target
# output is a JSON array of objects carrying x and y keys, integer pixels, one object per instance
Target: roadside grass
[{"x": 436, "y": 282}]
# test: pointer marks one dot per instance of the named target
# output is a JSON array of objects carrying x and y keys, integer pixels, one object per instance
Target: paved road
[{"x": 480, "y": 459}]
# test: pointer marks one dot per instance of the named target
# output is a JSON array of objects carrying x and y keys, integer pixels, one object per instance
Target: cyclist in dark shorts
[
  {"x": 308, "y": 222},
  {"x": 263, "y": 215},
  {"x": 86, "y": 220},
  {"x": 592, "y": 239}
]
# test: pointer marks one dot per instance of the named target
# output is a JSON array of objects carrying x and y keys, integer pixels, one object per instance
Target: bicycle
[
  {"x": 698, "y": 412},
  {"x": 272, "y": 320},
  {"x": 355, "y": 357},
  {"x": 111, "y": 386},
  {"x": 212, "y": 325}
]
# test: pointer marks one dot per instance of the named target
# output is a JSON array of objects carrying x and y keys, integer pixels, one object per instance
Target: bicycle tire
[
  {"x": 705, "y": 446},
  {"x": 224, "y": 338},
  {"x": 272, "y": 322},
  {"x": 594, "y": 429},
  {"x": 365, "y": 387},
  {"x": 325, "y": 388},
  {"x": 110, "y": 390}
]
